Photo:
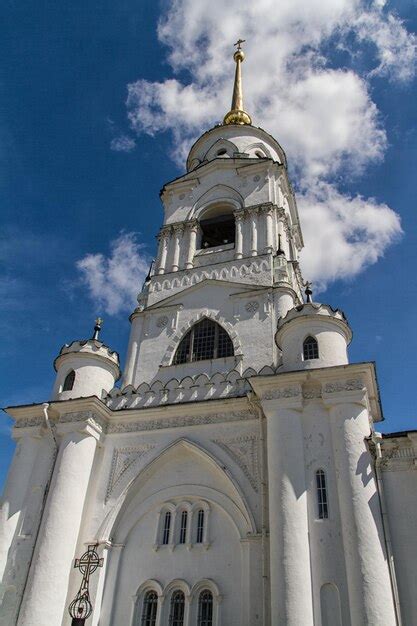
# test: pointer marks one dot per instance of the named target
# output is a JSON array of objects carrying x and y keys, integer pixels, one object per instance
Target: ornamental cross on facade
[{"x": 81, "y": 608}]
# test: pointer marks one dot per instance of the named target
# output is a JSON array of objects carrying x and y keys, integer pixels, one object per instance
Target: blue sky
[{"x": 99, "y": 105}]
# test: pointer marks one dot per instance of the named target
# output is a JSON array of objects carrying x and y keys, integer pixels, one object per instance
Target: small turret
[
  {"x": 85, "y": 368},
  {"x": 313, "y": 335}
]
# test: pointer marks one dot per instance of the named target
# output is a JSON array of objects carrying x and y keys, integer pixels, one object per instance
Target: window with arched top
[
  {"x": 200, "y": 526},
  {"x": 177, "y": 609},
  {"x": 217, "y": 227},
  {"x": 149, "y": 609},
  {"x": 167, "y": 528},
  {"x": 205, "y": 608},
  {"x": 69, "y": 381},
  {"x": 310, "y": 349},
  {"x": 321, "y": 489},
  {"x": 183, "y": 527},
  {"x": 205, "y": 340}
]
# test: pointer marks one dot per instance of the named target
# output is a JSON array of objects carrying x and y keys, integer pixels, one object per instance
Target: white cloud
[
  {"x": 321, "y": 111},
  {"x": 114, "y": 281},
  {"x": 122, "y": 144},
  {"x": 345, "y": 233}
]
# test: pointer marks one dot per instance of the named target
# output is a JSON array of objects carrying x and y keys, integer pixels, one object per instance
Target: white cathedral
[{"x": 235, "y": 476}]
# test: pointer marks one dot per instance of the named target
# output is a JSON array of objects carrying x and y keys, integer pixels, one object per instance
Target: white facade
[{"x": 253, "y": 476}]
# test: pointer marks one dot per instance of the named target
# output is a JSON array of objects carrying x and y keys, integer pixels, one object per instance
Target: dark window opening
[
  {"x": 183, "y": 529},
  {"x": 323, "y": 509},
  {"x": 221, "y": 152},
  {"x": 167, "y": 528},
  {"x": 176, "y": 617},
  {"x": 200, "y": 526},
  {"x": 69, "y": 381},
  {"x": 78, "y": 621},
  {"x": 217, "y": 231},
  {"x": 150, "y": 609},
  {"x": 206, "y": 340},
  {"x": 310, "y": 349},
  {"x": 205, "y": 608}
]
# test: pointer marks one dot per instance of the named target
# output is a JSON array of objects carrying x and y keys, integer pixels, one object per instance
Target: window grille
[
  {"x": 69, "y": 381},
  {"x": 310, "y": 349},
  {"x": 183, "y": 529},
  {"x": 323, "y": 510},
  {"x": 205, "y": 608},
  {"x": 200, "y": 526},
  {"x": 150, "y": 609},
  {"x": 167, "y": 528},
  {"x": 205, "y": 340},
  {"x": 176, "y": 617}
]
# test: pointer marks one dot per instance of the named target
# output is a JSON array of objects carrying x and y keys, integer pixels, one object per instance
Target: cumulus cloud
[
  {"x": 307, "y": 81},
  {"x": 113, "y": 281},
  {"x": 122, "y": 144},
  {"x": 345, "y": 233}
]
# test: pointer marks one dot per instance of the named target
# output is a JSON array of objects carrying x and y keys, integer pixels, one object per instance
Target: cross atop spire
[
  {"x": 97, "y": 328},
  {"x": 237, "y": 115}
]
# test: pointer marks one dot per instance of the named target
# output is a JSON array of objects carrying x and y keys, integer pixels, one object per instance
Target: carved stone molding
[
  {"x": 252, "y": 306},
  {"x": 276, "y": 394},
  {"x": 353, "y": 384},
  {"x": 244, "y": 452},
  {"x": 29, "y": 422},
  {"x": 123, "y": 462},
  {"x": 178, "y": 422}
]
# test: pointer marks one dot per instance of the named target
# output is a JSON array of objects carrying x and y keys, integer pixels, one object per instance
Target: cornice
[{"x": 340, "y": 383}]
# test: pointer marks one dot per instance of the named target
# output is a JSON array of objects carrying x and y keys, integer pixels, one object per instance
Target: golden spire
[{"x": 237, "y": 115}]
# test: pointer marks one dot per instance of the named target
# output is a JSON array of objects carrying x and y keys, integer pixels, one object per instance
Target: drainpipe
[
  {"x": 51, "y": 429},
  {"x": 377, "y": 440},
  {"x": 254, "y": 402}
]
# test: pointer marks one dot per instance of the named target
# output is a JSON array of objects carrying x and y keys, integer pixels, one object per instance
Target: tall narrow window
[
  {"x": 167, "y": 528},
  {"x": 323, "y": 510},
  {"x": 176, "y": 616},
  {"x": 205, "y": 608},
  {"x": 150, "y": 609},
  {"x": 310, "y": 349},
  {"x": 206, "y": 340},
  {"x": 183, "y": 529},
  {"x": 69, "y": 381},
  {"x": 200, "y": 526}
]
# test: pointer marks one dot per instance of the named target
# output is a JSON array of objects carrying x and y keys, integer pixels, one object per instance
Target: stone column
[
  {"x": 239, "y": 216},
  {"x": 15, "y": 489},
  {"x": 291, "y": 590},
  {"x": 45, "y": 596},
  {"x": 178, "y": 232},
  {"x": 369, "y": 586},
  {"x": 132, "y": 352},
  {"x": 254, "y": 232},
  {"x": 163, "y": 251},
  {"x": 192, "y": 244},
  {"x": 268, "y": 213}
]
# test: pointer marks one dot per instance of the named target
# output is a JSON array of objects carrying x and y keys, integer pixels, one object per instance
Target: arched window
[
  {"x": 183, "y": 529},
  {"x": 167, "y": 528},
  {"x": 176, "y": 616},
  {"x": 322, "y": 505},
  {"x": 206, "y": 340},
  {"x": 205, "y": 608},
  {"x": 150, "y": 609},
  {"x": 310, "y": 349},
  {"x": 200, "y": 526},
  {"x": 218, "y": 228},
  {"x": 69, "y": 381}
]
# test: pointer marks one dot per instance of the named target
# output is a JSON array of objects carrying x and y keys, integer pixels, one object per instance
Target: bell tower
[{"x": 231, "y": 220}]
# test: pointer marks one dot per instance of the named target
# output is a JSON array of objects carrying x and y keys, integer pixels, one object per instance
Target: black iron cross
[
  {"x": 81, "y": 607},
  {"x": 239, "y": 43}
]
